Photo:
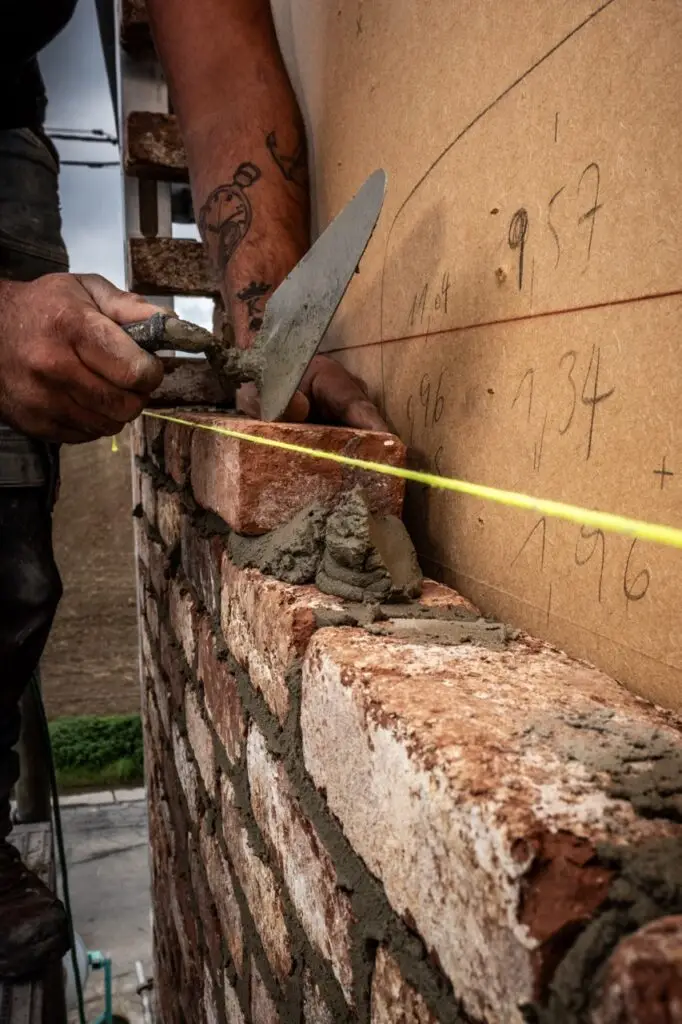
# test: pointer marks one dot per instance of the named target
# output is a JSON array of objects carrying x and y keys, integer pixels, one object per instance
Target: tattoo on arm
[
  {"x": 294, "y": 168},
  {"x": 225, "y": 217},
  {"x": 254, "y": 297}
]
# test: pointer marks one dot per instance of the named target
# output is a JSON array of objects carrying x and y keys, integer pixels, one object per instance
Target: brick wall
[{"x": 385, "y": 822}]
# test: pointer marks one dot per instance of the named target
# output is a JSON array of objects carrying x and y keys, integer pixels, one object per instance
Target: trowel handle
[{"x": 149, "y": 334}]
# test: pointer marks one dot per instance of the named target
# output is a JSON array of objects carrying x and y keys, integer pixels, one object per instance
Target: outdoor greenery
[{"x": 97, "y": 751}]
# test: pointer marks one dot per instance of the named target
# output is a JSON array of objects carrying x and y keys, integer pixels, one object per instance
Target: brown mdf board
[{"x": 519, "y": 310}]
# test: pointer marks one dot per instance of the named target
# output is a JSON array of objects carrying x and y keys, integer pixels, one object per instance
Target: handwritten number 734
[{"x": 591, "y": 395}]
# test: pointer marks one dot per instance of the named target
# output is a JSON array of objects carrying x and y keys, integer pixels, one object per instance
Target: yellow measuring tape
[{"x": 669, "y": 535}]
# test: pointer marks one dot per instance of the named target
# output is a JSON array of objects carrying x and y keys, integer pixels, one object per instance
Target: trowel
[{"x": 296, "y": 316}]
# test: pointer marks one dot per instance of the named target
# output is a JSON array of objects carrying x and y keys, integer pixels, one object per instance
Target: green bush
[{"x": 97, "y": 751}]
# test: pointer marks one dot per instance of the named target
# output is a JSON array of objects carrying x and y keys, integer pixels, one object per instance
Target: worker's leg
[{"x": 32, "y": 921}]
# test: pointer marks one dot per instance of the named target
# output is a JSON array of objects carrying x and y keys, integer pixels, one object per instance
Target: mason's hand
[
  {"x": 68, "y": 373},
  {"x": 327, "y": 393}
]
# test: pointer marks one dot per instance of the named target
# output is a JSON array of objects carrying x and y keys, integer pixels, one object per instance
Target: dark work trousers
[{"x": 30, "y": 588}]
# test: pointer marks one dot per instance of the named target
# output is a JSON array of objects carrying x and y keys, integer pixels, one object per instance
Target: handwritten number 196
[
  {"x": 433, "y": 411},
  {"x": 635, "y": 589}
]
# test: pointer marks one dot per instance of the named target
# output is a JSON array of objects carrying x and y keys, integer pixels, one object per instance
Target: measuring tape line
[{"x": 670, "y": 536}]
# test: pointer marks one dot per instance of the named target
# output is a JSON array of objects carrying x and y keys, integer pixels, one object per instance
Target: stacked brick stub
[{"x": 352, "y": 827}]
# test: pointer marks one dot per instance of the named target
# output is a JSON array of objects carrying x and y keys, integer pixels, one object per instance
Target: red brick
[
  {"x": 263, "y": 1009},
  {"x": 137, "y": 438},
  {"x": 183, "y": 618},
  {"x": 187, "y": 772},
  {"x": 169, "y": 511},
  {"x": 251, "y": 606},
  {"x": 210, "y": 1006},
  {"x": 323, "y": 910},
  {"x": 141, "y": 539},
  {"x": 176, "y": 441},
  {"x": 201, "y": 558},
  {"x": 255, "y": 488},
  {"x": 151, "y": 614},
  {"x": 158, "y": 567},
  {"x": 259, "y": 885},
  {"x": 187, "y": 381},
  {"x": 205, "y": 906},
  {"x": 184, "y": 921},
  {"x": 220, "y": 883},
  {"x": 148, "y": 497},
  {"x": 233, "y": 1010},
  {"x": 153, "y": 429},
  {"x": 315, "y": 1010},
  {"x": 200, "y": 740},
  {"x": 171, "y": 663},
  {"x": 468, "y": 781},
  {"x": 642, "y": 982},
  {"x": 395, "y": 999},
  {"x": 221, "y": 696}
]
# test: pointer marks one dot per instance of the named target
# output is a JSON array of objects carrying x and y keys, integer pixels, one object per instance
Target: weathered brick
[
  {"x": 221, "y": 695},
  {"x": 209, "y": 1000},
  {"x": 169, "y": 511},
  {"x": 158, "y": 567},
  {"x": 148, "y": 497},
  {"x": 184, "y": 921},
  {"x": 183, "y": 618},
  {"x": 187, "y": 381},
  {"x": 315, "y": 1009},
  {"x": 206, "y": 908},
  {"x": 233, "y": 1010},
  {"x": 252, "y": 604},
  {"x": 263, "y": 1008},
  {"x": 259, "y": 885},
  {"x": 642, "y": 982},
  {"x": 137, "y": 438},
  {"x": 135, "y": 34},
  {"x": 176, "y": 451},
  {"x": 171, "y": 663},
  {"x": 201, "y": 558},
  {"x": 153, "y": 431},
  {"x": 393, "y": 998},
  {"x": 200, "y": 740},
  {"x": 476, "y": 785},
  {"x": 151, "y": 615},
  {"x": 255, "y": 488},
  {"x": 220, "y": 883},
  {"x": 308, "y": 871},
  {"x": 187, "y": 772},
  {"x": 153, "y": 147},
  {"x": 170, "y": 266},
  {"x": 141, "y": 540}
]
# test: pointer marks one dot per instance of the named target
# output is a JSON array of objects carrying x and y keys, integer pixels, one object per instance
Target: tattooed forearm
[
  {"x": 294, "y": 168},
  {"x": 254, "y": 296},
  {"x": 226, "y": 216}
]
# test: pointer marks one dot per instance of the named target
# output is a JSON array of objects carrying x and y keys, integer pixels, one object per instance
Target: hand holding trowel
[{"x": 296, "y": 316}]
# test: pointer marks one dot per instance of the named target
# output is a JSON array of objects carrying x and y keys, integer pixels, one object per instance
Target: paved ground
[
  {"x": 107, "y": 850},
  {"x": 90, "y": 665}
]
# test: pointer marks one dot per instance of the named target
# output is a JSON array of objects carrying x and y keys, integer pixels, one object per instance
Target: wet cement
[
  {"x": 291, "y": 552},
  {"x": 449, "y": 633},
  {"x": 347, "y": 552},
  {"x": 643, "y": 764},
  {"x": 367, "y": 556}
]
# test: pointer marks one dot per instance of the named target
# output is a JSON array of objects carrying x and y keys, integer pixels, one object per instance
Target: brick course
[{"x": 355, "y": 828}]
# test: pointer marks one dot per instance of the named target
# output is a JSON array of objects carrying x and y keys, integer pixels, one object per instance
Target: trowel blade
[{"x": 300, "y": 311}]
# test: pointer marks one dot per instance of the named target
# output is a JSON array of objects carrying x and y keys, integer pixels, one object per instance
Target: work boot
[{"x": 33, "y": 925}]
